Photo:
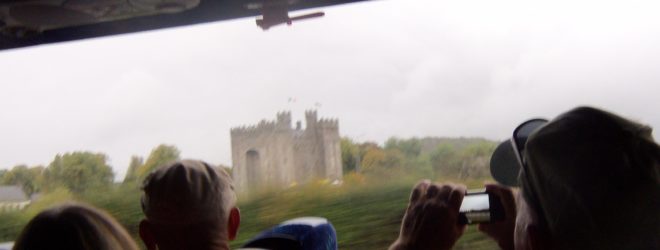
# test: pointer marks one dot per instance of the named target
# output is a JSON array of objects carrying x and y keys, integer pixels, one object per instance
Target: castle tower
[
  {"x": 311, "y": 118},
  {"x": 283, "y": 120},
  {"x": 274, "y": 154}
]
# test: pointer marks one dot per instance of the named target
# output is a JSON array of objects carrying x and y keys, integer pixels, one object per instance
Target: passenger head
[
  {"x": 74, "y": 226},
  {"x": 189, "y": 205},
  {"x": 590, "y": 182}
]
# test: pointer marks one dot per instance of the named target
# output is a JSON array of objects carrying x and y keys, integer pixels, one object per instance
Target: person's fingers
[
  {"x": 508, "y": 202},
  {"x": 484, "y": 228},
  {"x": 488, "y": 229},
  {"x": 411, "y": 218},
  {"x": 419, "y": 190},
  {"x": 456, "y": 197},
  {"x": 506, "y": 197},
  {"x": 432, "y": 212},
  {"x": 493, "y": 188},
  {"x": 432, "y": 191},
  {"x": 462, "y": 229},
  {"x": 445, "y": 191}
]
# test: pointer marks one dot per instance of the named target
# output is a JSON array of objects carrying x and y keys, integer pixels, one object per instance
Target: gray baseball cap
[
  {"x": 186, "y": 192},
  {"x": 592, "y": 177},
  {"x": 580, "y": 127},
  {"x": 508, "y": 158}
]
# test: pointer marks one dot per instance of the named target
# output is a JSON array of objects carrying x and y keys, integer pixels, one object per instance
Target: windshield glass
[{"x": 416, "y": 89}]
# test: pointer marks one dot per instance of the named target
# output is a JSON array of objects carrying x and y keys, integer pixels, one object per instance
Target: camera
[{"x": 480, "y": 207}]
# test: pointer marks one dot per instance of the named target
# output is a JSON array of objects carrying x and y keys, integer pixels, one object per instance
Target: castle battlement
[
  {"x": 311, "y": 112},
  {"x": 284, "y": 117},
  {"x": 283, "y": 121},
  {"x": 262, "y": 126},
  {"x": 328, "y": 123}
]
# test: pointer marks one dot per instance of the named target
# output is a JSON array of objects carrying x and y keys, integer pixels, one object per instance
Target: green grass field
[{"x": 365, "y": 216}]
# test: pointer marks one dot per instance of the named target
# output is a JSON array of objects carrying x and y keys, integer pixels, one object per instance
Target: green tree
[
  {"x": 468, "y": 161},
  {"x": 374, "y": 159},
  {"x": 445, "y": 161},
  {"x": 411, "y": 148},
  {"x": 29, "y": 179},
  {"x": 349, "y": 154},
  {"x": 475, "y": 160},
  {"x": 78, "y": 172},
  {"x": 394, "y": 158},
  {"x": 158, "y": 157},
  {"x": 131, "y": 172}
]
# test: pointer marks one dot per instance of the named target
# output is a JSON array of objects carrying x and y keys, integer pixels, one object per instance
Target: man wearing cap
[
  {"x": 188, "y": 205},
  {"x": 588, "y": 180}
]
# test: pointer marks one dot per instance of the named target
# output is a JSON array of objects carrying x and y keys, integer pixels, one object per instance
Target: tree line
[
  {"x": 82, "y": 171},
  {"x": 434, "y": 157}
]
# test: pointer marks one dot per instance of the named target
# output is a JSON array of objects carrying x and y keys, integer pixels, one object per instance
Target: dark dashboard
[{"x": 28, "y": 23}]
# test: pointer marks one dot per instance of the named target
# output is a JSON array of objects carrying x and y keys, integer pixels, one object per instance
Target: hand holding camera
[
  {"x": 438, "y": 214},
  {"x": 501, "y": 229},
  {"x": 431, "y": 219}
]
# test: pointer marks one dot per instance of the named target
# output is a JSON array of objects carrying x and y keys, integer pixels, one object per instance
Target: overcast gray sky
[{"x": 386, "y": 68}]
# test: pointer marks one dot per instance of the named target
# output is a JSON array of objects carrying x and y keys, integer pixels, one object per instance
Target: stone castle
[{"x": 275, "y": 154}]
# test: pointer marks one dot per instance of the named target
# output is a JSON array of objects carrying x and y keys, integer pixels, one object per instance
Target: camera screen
[
  {"x": 475, "y": 202},
  {"x": 475, "y": 208}
]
